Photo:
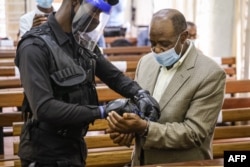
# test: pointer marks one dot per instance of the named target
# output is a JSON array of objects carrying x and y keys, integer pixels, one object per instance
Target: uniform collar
[{"x": 60, "y": 35}]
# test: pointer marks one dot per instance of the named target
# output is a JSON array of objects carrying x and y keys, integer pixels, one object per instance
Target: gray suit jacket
[{"x": 189, "y": 110}]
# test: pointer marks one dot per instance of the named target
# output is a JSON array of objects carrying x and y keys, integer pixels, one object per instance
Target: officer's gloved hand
[
  {"x": 120, "y": 106},
  {"x": 148, "y": 106}
]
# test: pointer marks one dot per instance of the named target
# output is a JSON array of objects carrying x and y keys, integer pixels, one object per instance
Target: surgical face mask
[
  {"x": 44, "y": 3},
  {"x": 168, "y": 57},
  {"x": 193, "y": 41}
]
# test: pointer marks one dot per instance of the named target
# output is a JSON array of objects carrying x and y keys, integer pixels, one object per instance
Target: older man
[{"x": 190, "y": 90}]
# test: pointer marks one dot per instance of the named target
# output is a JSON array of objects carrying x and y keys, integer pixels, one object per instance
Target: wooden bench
[
  {"x": 237, "y": 87},
  {"x": 10, "y": 82},
  {"x": 222, "y": 140},
  {"x": 7, "y": 52},
  {"x": 7, "y": 62},
  {"x": 131, "y": 64},
  {"x": 106, "y": 94},
  {"x": 126, "y": 50},
  {"x": 101, "y": 149},
  {"x": 109, "y": 40},
  {"x": 225, "y": 138},
  {"x": 232, "y": 137},
  {"x": 7, "y": 71}
]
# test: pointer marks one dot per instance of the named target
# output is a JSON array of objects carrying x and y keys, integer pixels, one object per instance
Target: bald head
[{"x": 176, "y": 18}]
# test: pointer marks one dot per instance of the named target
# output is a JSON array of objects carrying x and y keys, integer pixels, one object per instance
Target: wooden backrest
[
  {"x": 109, "y": 40},
  {"x": 237, "y": 86},
  {"x": 232, "y": 137},
  {"x": 10, "y": 82},
  {"x": 7, "y": 71},
  {"x": 236, "y": 102},
  {"x": 106, "y": 94},
  {"x": 7, "y": 52},
  {"x": 7, "y": 118},
  {"x": 229, "y": 61},
  {"x": 7, "y": 62},
  {"x": 101, "y": 149},
  {"x": 14, "y": 96},
  {"x": 126, "y": 50}
]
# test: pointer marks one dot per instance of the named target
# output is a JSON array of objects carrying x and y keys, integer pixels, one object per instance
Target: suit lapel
[
  {"x": 153, "y": 73},
  {"x": 180, "y": 77}
]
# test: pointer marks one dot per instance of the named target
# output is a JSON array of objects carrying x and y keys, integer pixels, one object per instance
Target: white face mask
[
  {"x": 169, "y": 57},
  {"x": 44, "y": 3}
]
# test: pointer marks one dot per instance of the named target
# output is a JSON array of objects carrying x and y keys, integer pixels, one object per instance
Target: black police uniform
[{"x": 61, "y": 114}]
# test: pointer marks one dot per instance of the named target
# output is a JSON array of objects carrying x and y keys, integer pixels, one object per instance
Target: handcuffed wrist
[{"x": 145, "y": 132}]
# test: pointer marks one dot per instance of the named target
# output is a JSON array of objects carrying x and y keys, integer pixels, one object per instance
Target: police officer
[{"x": 58, "y": 61}]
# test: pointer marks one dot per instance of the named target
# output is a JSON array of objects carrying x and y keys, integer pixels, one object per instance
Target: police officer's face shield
[{"x": 89, "y": 22}]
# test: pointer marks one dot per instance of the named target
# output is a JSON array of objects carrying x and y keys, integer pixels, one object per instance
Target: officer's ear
[{"x": 184, "y": 37}]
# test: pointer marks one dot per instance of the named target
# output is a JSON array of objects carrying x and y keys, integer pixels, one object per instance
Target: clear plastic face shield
[{"x": 89, "y": 22}]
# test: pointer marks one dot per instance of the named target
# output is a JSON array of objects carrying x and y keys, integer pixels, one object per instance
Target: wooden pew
[
  {"x": 101, "y": 149},
  {"x": 7, "y": 62},
  {"x": 7, "y": 52},
  {"x": 10, "y": 82},
  {"x": 211, "y": 162},
  {"x": 126, "y": 50},
  {"x": 229, "y": 61},
  {"x": 105, "y": 94},
  {"x": 131, "y": 62},
  {"x": 7, "y": 71},
  {"x": 232, "y": 137},
  {"x": 237, "y": 86},
  {"x": 109, "y": 40},
  {"x": 16, "y": 95},
  {"x": 220, "y": 143}
]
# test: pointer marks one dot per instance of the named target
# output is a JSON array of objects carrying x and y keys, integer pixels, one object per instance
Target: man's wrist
[{"x": 145, "y": 132}]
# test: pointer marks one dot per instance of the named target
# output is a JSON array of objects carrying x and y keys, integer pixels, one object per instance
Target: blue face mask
[
  {"x": 44, "y": 3},
  {"x": 169, "y": 57}
]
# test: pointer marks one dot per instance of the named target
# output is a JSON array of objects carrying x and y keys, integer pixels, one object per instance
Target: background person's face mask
[
  {"x": 44, "y": 3},
  {"x": 168, "y": 57}
]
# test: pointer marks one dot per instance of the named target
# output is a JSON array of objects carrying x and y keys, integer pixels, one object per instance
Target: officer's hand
[
  {"x": 39, "y": 19},
  {"x": 120, "y": 106},
  {"x": 148, "y": 106}
]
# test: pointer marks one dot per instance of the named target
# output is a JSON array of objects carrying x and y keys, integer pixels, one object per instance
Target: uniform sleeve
[
  {"x": 33, "y": 63},
  {"x": 115, "y": 79}
]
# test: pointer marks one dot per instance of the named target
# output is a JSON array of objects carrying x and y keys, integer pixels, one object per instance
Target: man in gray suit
[{"x": 190, "y": 90}]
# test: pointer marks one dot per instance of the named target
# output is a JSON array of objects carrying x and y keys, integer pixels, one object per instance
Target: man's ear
[{"x": 184, "y": 36}]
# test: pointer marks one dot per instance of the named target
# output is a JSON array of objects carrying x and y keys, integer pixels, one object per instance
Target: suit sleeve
[{"x": 199, "y": 119}]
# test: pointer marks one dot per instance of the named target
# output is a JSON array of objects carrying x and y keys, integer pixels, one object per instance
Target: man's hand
[
  {"x": 148, "y": 106},
  {"x": 123, "y": 139},
  {"x": 128, "y": 123},
  {"x": 39, "y": 19},
  {"x": 120, "y": 106}
]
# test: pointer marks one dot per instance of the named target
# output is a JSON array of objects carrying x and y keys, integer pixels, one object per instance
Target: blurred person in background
[{"x": 35, "y": 17}]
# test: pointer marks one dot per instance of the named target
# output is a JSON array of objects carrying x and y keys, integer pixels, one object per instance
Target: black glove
[
  {"x": 120, "y": 106},
  {"x": 148, "y": 106}
]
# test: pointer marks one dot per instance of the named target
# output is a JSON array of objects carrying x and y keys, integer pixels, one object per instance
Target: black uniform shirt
[{"x": 34, "y": 63}]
